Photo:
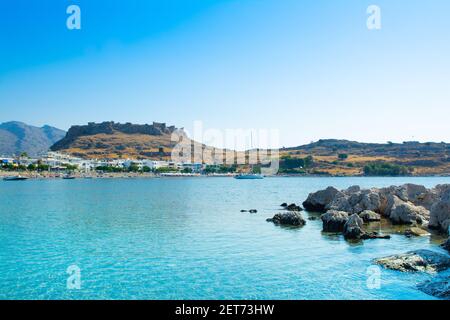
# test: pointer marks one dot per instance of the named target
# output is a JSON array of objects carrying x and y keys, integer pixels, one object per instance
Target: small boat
[
  {"x": 249, "y": 176},
  {"x": 15, "y": 178},
  {"x": 67, "y": 177}
]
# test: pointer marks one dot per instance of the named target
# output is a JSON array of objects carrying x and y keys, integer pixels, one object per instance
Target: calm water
[{"x": 186, "y": 239}]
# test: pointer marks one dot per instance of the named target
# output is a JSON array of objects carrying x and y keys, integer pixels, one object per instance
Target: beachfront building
[
  {"x": 6, "y": 161},
  {"x": 194, "y": 167},
  {"x": 155, "y": 164}
]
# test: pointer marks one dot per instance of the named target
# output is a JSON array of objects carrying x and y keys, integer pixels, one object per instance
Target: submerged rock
[
  {"x": 415, "y": 261},
  {"x": 369, "y": 216},
  {"x": 353, "y": 228},
  {"x": 319, "y": 200},
  {"x": 418, "y": 232},
  {"x": 334, "y": 221},
  {"x": 293, "y": 207},
  {"x": 446, "y": 245},
  {"x": 290, "y": 218},
  {"x": 374, "y": 235},
  {"x": 439, "y": 287}
]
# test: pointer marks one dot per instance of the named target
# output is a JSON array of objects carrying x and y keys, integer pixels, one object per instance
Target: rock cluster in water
[
  {"x": 415, "y": 261},
  {"x": 346, "y": 211},
  {"x": 290, "y": 218},
  {"x": 291, "y": 207},
  {"x": 408, "y": 204}
]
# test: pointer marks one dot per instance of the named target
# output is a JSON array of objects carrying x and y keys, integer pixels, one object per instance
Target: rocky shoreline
[
  {"x": 350, "y": 211},
  {"x": 408, "y": 204}
]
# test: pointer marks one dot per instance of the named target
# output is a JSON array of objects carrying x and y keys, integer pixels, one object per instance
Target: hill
[
  {"x": 17, "y": 137},
  {"x": 110, "y": 140},
  {"x": 343, "y": 157}
]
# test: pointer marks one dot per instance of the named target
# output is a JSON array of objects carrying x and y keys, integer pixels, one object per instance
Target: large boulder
[
  {"x": 406, "y": 192},
  {"x": 388, "y": 203},
  {"x": 438, "y": 287},
  {"x": 354, "y": 200},
  {"x": 340, "y": 203},
  {"x": 408, "y": 213},
  {"x": 415, "y": 194},
  {"x": 353, "y": 228},
  {"x": 290, "y": 218},
  {"x": 369, "y": 216},
  {"x": 318, "y": 201},
  {"x": 369, "y": 200},
  {"x": 352, "y": 189},
  {"x": 413, "y": 191},
  {"x": 442, "y": 190},
  {"x": 440, "y": 213},
  {"x": 427, "y": 199},
  {"x": 414, "y": 261},
  {"x": 334, "y": 221}
]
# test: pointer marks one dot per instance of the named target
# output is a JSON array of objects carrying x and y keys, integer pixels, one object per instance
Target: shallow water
[{"x": 185, "y": 238}]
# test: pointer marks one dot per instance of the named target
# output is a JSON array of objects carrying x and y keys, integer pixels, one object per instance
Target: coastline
[{"x": 148, "y": 175}]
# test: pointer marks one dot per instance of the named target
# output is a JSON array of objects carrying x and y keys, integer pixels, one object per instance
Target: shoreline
[{"x": 134, "y": 175}]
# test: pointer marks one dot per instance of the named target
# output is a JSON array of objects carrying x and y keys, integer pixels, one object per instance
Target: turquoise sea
[{"x": 185, "y": 238}]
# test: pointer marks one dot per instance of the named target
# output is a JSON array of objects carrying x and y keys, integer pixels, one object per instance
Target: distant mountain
[{"x": 17, "y": 137}]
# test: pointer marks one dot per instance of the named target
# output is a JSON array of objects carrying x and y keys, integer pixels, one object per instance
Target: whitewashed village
[{"x": 56, "y": 164}]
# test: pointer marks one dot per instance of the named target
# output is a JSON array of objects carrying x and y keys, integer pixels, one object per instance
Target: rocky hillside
[
  {"x": 17, "y": 137},
  {"x": 342, "y": 157},
  {"x": 110, "y": 140}
]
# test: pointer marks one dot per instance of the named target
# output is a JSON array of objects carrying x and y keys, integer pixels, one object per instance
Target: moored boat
[
  {"x": 15, "y": 178},
  {"x": 249, "y": 176}
]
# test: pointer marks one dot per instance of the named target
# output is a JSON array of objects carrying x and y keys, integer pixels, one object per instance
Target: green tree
[
  {"x": 385, "y": 169},
  {"x": 43, "y": 167},
  {"x": 309, "y": 161},
  {"x": 133, "y": 168}
]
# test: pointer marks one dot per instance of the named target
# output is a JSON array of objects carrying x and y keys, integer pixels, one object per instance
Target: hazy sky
[{"x": 311, "y": 69}]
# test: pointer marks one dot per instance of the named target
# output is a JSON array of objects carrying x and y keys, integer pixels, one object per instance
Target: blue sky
[{"x": 311, "y": 69}]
